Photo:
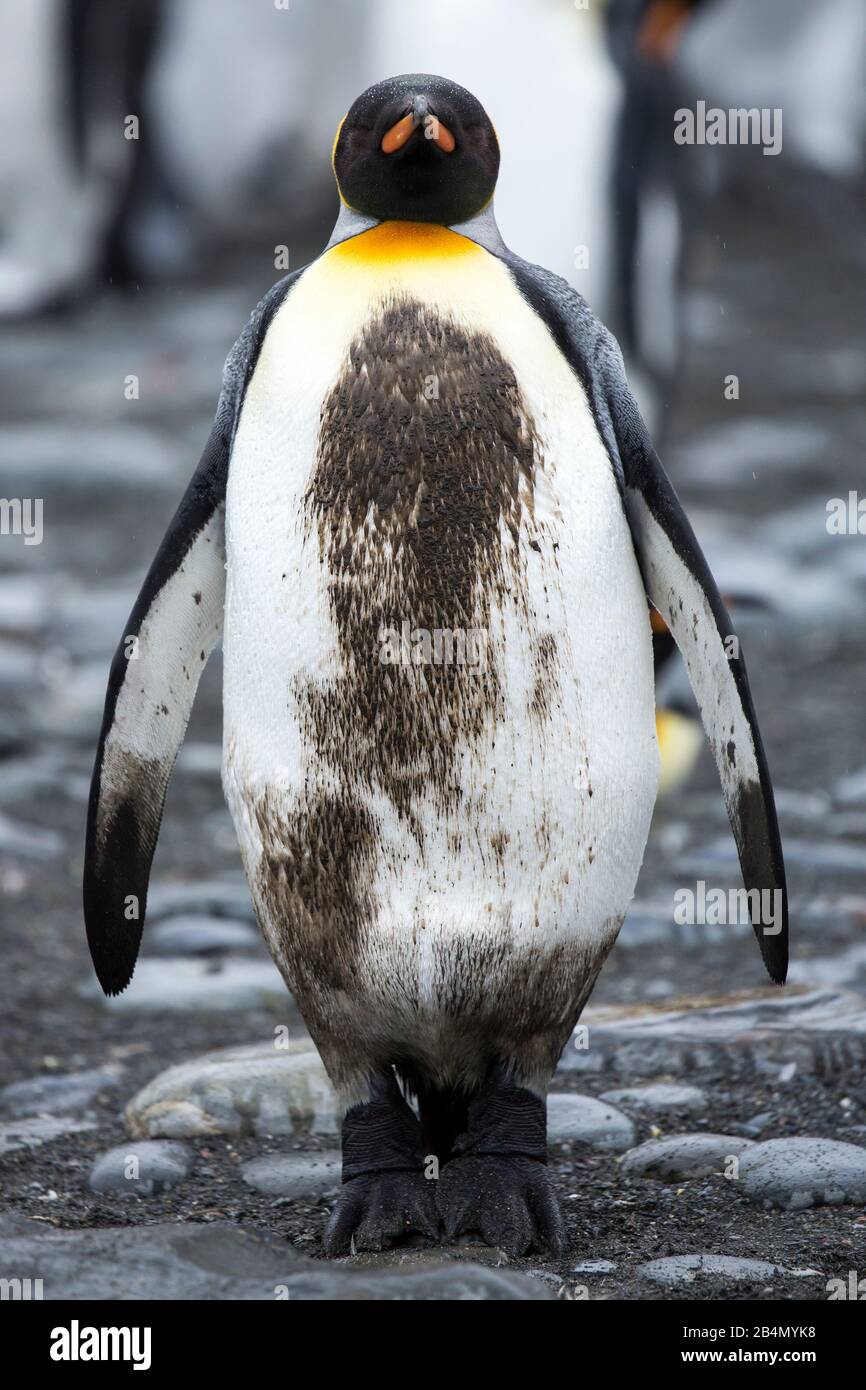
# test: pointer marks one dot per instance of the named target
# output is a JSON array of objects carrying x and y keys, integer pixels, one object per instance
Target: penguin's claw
[
  {"x": 374, "y": 1210},
  {"x": 510, "y": 1201}
]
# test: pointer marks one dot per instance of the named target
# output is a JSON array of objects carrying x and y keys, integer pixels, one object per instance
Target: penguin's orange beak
[{"x": 395, "y": 138}]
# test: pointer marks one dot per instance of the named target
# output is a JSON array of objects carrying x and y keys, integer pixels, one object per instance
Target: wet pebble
[
  {"x": 758, "y": 1123},
  {"x": 197, "y": 935},
  {"x": 210, "y": 897},
  {"x": 21, "y": 778},
  {"x": 594, "y": 1267},
  {"x": 55, "y": 1095},
  {"x": 845, "y": 969},
  {"x": 30, "y": 1132},
  {"x": 814, "y": 856},
  {"x": 683, "y": 1157},
  {"x": 245, "y": 1090},
  {"x": 295, "y": 1174},
  {"x": 821, "y": 1030},
  {"x": 851, "y": 790},
  {"x": 74, "y": 701},
  {"x": 657, "y": 1098},
  {"x": 197, "y": 986},
  {"x": 582, "y": 1119},
  {"x": 685, "y": 1269},
  {"x": 19, "y": 669},
  {"x": 219, "y": 1260},
  {"x": 141, "y": 1169},
  {"x": 798, "y": 1173},
  {"x": 200, "y": 759},
  {"x": 28, "y": 841}
]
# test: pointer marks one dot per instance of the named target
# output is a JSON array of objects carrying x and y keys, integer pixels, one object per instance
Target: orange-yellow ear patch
[{"x": 336, "y": 140}]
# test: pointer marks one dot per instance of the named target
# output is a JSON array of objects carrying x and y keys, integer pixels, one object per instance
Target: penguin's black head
[{"x": 418, "y": 149}]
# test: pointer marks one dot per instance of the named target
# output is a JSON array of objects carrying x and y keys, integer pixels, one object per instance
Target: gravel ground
[{"x": 775, "y": 296}]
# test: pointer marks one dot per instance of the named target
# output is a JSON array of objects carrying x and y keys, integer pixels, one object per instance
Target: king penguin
[{"x": 426, "y": 524}]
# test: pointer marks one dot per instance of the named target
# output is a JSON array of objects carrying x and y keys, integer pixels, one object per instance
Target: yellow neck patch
[{"x": 404, "y": 241}]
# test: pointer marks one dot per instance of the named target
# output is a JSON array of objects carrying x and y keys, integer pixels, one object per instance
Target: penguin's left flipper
[{"x": 679, "y": 584}]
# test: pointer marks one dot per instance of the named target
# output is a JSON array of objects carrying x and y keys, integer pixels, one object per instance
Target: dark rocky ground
[{"x": 777, "y": 294}]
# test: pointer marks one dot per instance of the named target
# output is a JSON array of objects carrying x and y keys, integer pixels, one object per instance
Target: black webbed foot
[
  {"x": 375, "y": 1210},
  {"x": 385, "y": 1193},
  {"x": 511, "y": 1202},
  {"x": 498, "y": 1183}
]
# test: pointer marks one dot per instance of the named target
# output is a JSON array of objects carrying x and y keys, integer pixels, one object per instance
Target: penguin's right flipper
[
  {"x": 171, "y": 632},
  {"x": 679, "y": 584}
]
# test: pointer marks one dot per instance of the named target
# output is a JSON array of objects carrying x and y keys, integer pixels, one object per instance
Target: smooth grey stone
[
  {"x": 844, "y": 824},
  {"x": 438, "y": 1270},
  {"x": 26, "y": 602},
  {"x": 594, "y": 1267},
  {"x": 260, "y": 1089},
  {"x": 216, "y": 898},
  {"x": 141, "y": 1169},
  {"x": 222, "y": 1261},
  {"x": 812, "y": 855},
  {"x": 683, "y": 1157},
  {"x": 82, "y": 459},
  {"x": 641, "y": 929},
  {"x": 811, "y": 807},
  {"x": 196, "y": 935},
  {"x": 87, "y": 620},
  {"x": 32, "y": 1131},
  {"x": 55, "y": 1094},
  {"x": 759, "y": 443},
  {"x": 200, "y": 760},
  {"x": 74, "y": 701},
  {"x": 658, "y": 1097},
  {"x": 822, "y": 1031},
  {"x": 29, "y": 841},
  {"x": 21, "y": 778},
  {"x": 845, "y": 969},
  {"x": 585, "y": 1120},
  {"x": 851, "y": 790},
  {"x": 798, "y": 1173},
  {"x": 757, "y": 1123},
  {"x": 197, "y": 986},
  {"x": 294, "y": 1174},
  {"x": 19, "y": 669},
  {"x": 656, "y": 926},
  {"x": 790, "y": 591},
  {"x": 685, "y": 1269}
]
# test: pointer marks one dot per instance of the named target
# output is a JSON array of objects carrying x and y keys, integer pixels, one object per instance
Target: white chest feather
[{"x": 438, "y": 674}]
